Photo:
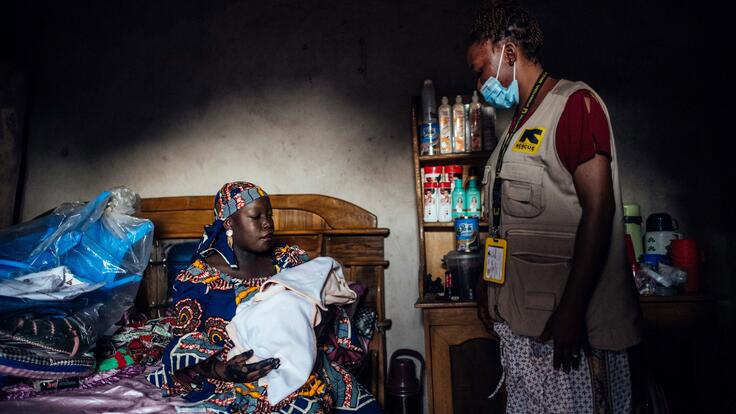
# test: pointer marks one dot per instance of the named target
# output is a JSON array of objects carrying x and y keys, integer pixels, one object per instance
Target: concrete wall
[
  {"x": 13, "y": 100},
  {"x": 175, "y": 98}
]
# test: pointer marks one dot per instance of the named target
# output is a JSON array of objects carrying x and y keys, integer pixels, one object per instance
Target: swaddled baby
[{"x": 279, "y": 322}]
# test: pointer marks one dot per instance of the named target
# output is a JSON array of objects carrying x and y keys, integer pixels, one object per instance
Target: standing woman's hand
[
  {"x": 566, "y": 328},
  {"x": 233, "y": 370}
]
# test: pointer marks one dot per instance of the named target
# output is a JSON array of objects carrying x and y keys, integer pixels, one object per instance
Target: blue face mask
[{"x": 495, "y": 94}]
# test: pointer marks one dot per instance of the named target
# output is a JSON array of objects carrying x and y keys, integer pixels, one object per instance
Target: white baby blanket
[{"x": 279, "y": 322}]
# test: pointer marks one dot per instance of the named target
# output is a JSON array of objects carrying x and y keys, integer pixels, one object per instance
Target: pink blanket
[{"x": 129, "y": 395}]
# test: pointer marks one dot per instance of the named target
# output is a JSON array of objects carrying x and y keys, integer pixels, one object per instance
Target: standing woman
[
  {"x": 567, "y": 310},
  {"x": 236, "y": 255}
]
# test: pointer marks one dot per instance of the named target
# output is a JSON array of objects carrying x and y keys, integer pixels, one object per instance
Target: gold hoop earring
[{"x": 229, "y": 234}]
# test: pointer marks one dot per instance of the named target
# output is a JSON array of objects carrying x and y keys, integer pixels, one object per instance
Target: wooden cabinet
[
  {"x": 463, "y": 360},
  {"x": 681, "y": 351}
]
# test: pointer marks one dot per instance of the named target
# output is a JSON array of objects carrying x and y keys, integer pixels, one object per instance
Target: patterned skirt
[{"x": 601, "y": 385}]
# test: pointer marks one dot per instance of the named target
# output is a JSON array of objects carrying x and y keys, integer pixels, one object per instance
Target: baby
[{"x": 279, "y": 322}]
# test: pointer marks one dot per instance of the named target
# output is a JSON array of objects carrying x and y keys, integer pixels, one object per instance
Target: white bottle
[
  {"x": 445, "y": 202},
  {"x": 476, "y": 140},
  {"x": 444, "y": 112},
  {"x": 431, "y": 202},
  {"x": 458, "y": 125}
]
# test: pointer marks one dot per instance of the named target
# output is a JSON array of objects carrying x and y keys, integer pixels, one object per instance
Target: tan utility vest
[{"x": 539, "y": 218}]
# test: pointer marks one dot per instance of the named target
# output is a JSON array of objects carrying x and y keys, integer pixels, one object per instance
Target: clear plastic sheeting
[
  {"x": 58, "y": 283},
  {"x": 68, "y": 276}
]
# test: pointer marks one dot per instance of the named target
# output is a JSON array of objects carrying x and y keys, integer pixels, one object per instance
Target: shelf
[
  {"x": 683, "y": 297},
  {"x": 447, "y": 226},
  {"x": 449, "y": 159},
  {"x": 430, "y": 301}
]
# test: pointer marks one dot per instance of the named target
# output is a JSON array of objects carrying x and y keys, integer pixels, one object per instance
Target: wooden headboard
[{"x": 320, "y": 225}]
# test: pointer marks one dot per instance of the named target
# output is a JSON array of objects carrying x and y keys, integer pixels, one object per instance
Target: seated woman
[{"x": 236, "y": 255}]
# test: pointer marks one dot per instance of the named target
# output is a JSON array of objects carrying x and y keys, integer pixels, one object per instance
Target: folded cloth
[
  {"x": 120, "y": 359},
  {"x": 279, "y": 322}
]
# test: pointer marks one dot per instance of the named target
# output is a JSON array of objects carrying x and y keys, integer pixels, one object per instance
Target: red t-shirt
[{"x": 582, "y": 131}]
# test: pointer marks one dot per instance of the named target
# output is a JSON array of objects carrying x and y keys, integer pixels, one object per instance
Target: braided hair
[{"x": 502, "y": 20}]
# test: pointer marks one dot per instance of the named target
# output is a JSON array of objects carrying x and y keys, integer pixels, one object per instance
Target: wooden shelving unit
[
  {"x": 447, "y": 325},
  {"x": 436, "y": 239}
]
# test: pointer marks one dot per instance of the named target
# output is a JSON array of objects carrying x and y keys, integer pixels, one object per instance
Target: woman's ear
[
  {"x": 227, "y": 224},
  {"x": 511, "y": 53}
]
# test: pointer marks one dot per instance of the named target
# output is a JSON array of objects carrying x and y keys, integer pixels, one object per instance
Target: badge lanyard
[{"x": 496, "y": 210}]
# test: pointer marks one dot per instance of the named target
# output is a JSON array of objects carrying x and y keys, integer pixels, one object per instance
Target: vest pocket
[
  {"x": 537, "y": 287},
  {"x": 522, "y": 194},
  {"x": 537, "y": 270}
]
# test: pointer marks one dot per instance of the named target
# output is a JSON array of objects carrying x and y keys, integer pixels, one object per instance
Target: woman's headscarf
[{"x": 231, "y": 198}]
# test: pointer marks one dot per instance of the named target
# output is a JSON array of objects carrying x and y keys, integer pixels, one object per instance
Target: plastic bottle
[
  {"x": 431, "y": 201},
  {"x": 429, "y": 129},
  {"x": 458, "y": 125},
  {"x": 458, "y": 200},
  {"x": 476, "y": 140},
  {"x": 450, "y": 291},
  {"x": 445, "y": 121},
  {"x": 452, "y": 172},
  {"x": 489, "y": 127},
  {"x": 472, "y": 198},
  {"x": 445, "y": 203}
]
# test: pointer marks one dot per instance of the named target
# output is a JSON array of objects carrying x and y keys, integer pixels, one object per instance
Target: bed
[{"x": 321, "y": 225}]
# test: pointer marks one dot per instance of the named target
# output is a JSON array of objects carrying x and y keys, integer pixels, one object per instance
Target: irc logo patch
[{"x": 530, "y": 140}]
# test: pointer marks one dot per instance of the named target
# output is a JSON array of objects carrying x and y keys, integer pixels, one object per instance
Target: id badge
[{"x": 494, "y": 263}]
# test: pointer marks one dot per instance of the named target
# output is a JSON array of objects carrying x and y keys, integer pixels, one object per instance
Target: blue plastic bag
[{"x": 100, "y": 242}]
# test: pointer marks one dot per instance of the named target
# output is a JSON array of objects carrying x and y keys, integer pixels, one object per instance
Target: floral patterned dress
[{"x": 205, "y": 300}]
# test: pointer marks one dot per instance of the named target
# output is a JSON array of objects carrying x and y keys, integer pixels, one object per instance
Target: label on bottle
[
  {"x": 431, "y": 202},
  {"x": 458, "y": 205},
  {"x": 458, "y": 129},
  {"x": 473, "y": 204},
  {"x": 429, "y": 138},
  {"x": 445, "y": 130},
  {"x": 466, "y": 233},
  {"x": 445, "y": 209}
]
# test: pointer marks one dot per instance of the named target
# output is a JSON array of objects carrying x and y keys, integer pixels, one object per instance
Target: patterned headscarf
[{"x": 231, "y": 198}]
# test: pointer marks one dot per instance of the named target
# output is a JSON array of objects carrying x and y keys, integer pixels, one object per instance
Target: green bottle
[
  {"x": 472, "y": 198},
  {"x": 458, "y": 200}
]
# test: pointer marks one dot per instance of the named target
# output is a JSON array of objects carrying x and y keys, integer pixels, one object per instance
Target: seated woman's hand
[{"x": 234, "y": 370}]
